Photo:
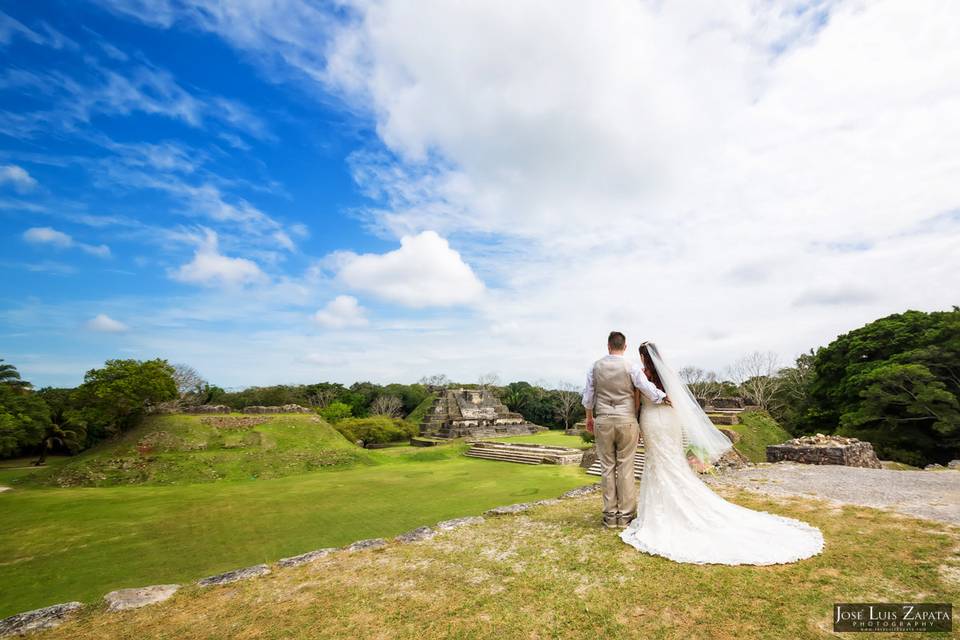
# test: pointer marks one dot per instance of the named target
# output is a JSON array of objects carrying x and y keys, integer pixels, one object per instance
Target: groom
[{"x": 610, "y": 402}]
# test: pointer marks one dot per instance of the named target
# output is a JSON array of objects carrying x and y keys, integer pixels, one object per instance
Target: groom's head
[{"x": 616, "y": 342}]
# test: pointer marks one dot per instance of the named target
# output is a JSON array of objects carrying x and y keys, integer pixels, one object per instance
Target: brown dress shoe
[
  {"x": 624, "y": 521},
  {"x": 610, "y": 522}
]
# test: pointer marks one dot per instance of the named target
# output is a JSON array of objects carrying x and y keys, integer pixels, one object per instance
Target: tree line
[{"x": 894, "y": 382}]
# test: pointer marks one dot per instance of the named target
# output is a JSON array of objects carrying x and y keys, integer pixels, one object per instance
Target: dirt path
[{"x": 934, "y": 495}]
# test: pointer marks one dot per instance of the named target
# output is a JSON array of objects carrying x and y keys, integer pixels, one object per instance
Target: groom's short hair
[{"x": 616, "y": 341}]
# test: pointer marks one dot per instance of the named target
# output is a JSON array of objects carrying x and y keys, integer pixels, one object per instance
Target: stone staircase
[
  {"x": 594, "y": 469},
  {"x": 524, "y": 453}
]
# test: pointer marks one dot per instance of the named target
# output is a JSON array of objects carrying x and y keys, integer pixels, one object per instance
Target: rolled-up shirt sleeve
[
  {"x": 587, "y": 400},
  {"x": 646, "y": 387}
]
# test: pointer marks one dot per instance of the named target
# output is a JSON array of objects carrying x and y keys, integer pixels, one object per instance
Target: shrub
[
  {"x": 374, "y": 430},
  {"x": 335, "y": 412}
]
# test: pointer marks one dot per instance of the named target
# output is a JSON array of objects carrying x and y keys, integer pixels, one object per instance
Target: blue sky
[{"x": 302, "y": 191}]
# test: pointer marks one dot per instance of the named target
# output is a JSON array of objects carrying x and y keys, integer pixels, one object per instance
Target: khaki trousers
[{"x": 616, "y": 438}]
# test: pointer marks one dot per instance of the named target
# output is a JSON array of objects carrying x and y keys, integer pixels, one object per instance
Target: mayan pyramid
[{"x": 473, "y": 413}]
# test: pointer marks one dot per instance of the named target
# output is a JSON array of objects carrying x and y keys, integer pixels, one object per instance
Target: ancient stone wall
[
  {"x": 821, "y": 449},
  {"x": 287, "y": 408},
  {"x": 207, "y": 408}
]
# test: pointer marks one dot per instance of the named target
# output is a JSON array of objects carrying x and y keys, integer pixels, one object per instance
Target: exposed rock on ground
[
  {"x": 235, "y": 575},
  {"x": 456, "y": 523},
  {"x": 372, "y": 543},
  {"x": 304, "y": 558},
  {"x": 45, "y": 618},
  {"x": 510, "y": 509},
  {"x": 579, "y": 492},
  {"x": 418, "y": 534},
  {"x": 139, "y": 597}
]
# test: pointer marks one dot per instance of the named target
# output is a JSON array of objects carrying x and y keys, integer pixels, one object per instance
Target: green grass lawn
[
  {"x": 61, "y": 544},
  {"x": 13, "y": 469},
  {"x": 757, "y": 430},
  {"x": 550, "y": 438},
  {"x": 554, "y": 572}
]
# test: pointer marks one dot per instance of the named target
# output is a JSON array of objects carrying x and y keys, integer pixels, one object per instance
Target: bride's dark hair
[{"x": 649, "y": 369}]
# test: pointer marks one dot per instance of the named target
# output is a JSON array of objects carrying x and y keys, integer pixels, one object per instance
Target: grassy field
[
  {"x": 757, "y": 429},
  {"x": 555, "y": 573},
  {"x": 60, "y": 544}
]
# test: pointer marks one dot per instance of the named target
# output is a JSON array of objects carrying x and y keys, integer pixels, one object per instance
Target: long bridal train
[{"x": 680, "y": 518}]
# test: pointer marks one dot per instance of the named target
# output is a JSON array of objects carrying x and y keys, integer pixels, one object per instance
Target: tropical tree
[
  {"x": 23, "y": 413},
  {"x": 890, "y": 382},
  {"x": 113, "y": 398},
  {"x": 791, "y": 400},
  {"x": 63, "y": 432}
]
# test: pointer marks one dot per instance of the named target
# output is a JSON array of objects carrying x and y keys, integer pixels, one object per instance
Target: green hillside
[
  {"x": 185, "y": 449},
  {"x": 757, "y": 429}
]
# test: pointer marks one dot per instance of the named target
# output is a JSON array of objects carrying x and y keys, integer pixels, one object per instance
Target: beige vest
[{"x": 613, "y": 388}]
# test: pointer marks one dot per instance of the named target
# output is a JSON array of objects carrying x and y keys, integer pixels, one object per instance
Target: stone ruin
[
  {"x": 285, "y": 408},
  {"x": 722, "y": 404},
  {"x": 473, "y": 413},
  {"x": 206, "y": 408},
  {"x": 821, "y": 449}
]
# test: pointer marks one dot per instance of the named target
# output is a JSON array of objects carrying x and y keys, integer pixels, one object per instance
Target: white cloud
[
  {"x": 611, "y": 164},
  {"x": 47, "y": 235},
  {"x": 341, "y": 312},
  {"x": 423, "y": 272},
  {"x": 60, "y": 240},
  {"x": 104, "y": 323},
  {"x": 211, "y": 268},
  {"x": 17, "y": 177}
]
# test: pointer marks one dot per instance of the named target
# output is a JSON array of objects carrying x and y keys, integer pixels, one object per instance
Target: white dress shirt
[{"x": 640, "y": 381}]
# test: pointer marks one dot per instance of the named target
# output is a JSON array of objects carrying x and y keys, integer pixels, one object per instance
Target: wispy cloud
[
  {"x": 43, "y": 34},
  {"x": 17, "y": 177},
  {"x": 49, "y": 236},
  {"x": 131, "y": 89},
  {"x": 105, "y": 324}
]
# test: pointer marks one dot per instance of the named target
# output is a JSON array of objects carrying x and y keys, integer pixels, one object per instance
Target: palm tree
[
  {"x": 10, "y": 376},
  {"x": 62, "y": 432}
]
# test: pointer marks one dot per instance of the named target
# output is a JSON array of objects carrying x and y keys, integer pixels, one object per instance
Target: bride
[{"x": 678, "y": 516}]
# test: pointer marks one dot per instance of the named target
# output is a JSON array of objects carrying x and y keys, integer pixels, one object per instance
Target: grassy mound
[
  {"x": 556, "y": 573},
  {"x": 757, "y": 429},
  {"x": 182, "y": 449},
  {"x": 417, "y": 415}
]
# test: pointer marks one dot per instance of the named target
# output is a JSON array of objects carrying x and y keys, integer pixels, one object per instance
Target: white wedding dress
[{"x": 680, "y": 518}]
